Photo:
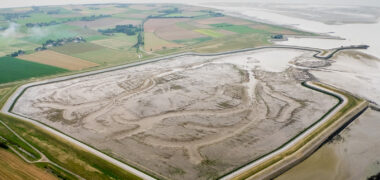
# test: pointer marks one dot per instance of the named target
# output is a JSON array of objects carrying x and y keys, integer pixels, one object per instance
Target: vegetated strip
[
  {"x": 348, "y": 104},
  {"x": 7, "y": 108},
  {"x": 45, "y": 137},
  {"x": 27, "y": 150}
]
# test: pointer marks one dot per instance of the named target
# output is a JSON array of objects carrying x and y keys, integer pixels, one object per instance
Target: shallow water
[
  {"x": 353, "y": 155},
  {"x": 353, "y": 33},
  {"x": 357, "y": 154}
]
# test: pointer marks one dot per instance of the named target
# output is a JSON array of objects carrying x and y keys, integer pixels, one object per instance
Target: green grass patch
[
  {"x": 56, "y": 171},
  {"x": 65, "y": 154},
  {"x": 99, "y": 54},
  {"x": 6, "y": 92},
  {"x": 75, "y": 48},
  {"x": 96, "y": 37},
  {"x": 231, "y": 42},
  {"x": 55, "y": 32},
  {"x": 13, "y": 69},
  {"x": 107, "y": 56},
  {"x": 118, "y": 41},
  {"x": 10, "y": 45},
  {"x": 241, "y": 29},
  {"x": 37, "y": 18},
  {"x": 192, "y": 41},
  {"x": 17, "y": 144},
  {"x": 210, "y": 32}
]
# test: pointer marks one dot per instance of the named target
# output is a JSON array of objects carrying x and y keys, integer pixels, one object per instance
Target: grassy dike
[
  {"x": 77, "y": 160},
  {"x": 352, "y": 103},
  {"x": 65, "y": 154}
]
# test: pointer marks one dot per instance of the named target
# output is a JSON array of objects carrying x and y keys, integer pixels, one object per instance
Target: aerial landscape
[{"x": 202, "y": 90}]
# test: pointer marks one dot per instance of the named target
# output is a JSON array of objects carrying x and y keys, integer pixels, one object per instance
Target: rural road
[{"x": 7, "y": 108}]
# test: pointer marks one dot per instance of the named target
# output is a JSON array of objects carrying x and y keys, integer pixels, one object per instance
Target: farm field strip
[
  {"x": 13, "y": 69},
  {"x": 52, "y": 58},
  {"x": 209, "y": 32}
]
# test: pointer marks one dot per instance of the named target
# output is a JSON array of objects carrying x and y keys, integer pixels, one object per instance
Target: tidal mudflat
[{"x": 189, "y": 117}]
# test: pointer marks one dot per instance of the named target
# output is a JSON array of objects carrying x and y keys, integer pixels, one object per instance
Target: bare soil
[
  {"x": 173, "y": 32},
  {"x": 153, "y": 24}
]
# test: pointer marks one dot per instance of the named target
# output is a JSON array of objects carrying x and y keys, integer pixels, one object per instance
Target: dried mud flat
[{"x": 189, "y": 117}]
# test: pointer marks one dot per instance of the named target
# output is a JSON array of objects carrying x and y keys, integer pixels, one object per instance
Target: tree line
[{"x": 129, "y": 30}]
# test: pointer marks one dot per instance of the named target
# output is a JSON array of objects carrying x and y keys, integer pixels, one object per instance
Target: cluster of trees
[
  {"x": 122, "y": 5},
  {"x": 277, "y": 36},
  {"x": 17, "y": 53},
  {"x": 55, "y": 11},
  {"x": 170, "y": 11},
  {"x": 59, "y": 42},
  {"x": 129, "y": 30},
  {"x": 3, "y": 145},
  {"x": 93, "y": 8},
  {"x": 213, "y": 14},
  {"x": 140, "y": 41},
  {"x": 93, "y": 17},
  {"x": 42, "y": 24},
  {"x": 10, "y": 16}
]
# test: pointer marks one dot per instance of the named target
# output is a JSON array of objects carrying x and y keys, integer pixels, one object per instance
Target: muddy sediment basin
[{"x": 188, "y": 117}]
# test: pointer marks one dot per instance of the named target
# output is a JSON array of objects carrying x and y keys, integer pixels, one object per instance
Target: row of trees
[
  {"x": 213, "y": 14},
  {"x": 94, "y": 17},
  {"x": 17, "y": 53},
  {"x": 171, "y": 11},
  {"x": 129, "y": 30},
  {"x": 41, "y": 24},
  {"x": 10, "y": 16},
  {"x": 59, "y": 42}
]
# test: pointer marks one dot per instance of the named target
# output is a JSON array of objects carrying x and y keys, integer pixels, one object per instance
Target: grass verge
[{"x": 67, "y": 155}]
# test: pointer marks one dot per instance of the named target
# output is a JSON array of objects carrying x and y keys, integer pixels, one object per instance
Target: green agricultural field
[
  {"x": 9, "y": 45},
  {"x": 13, "y": 69},
  {"x": 210, "y": 32},
  {"x": 40, "y": 17},
  {"x": 237, "y": 28},
  {"x": 193, "y": 41},
  {"x": 100, "y": 54},
  {"x": 76, "y": 48},
  {"x": 118, "y": 41},
  {"x": 41, "y": 35},
  {"x": 107, "y": 56},
  {"x": 233, "y": 42},
  {"x": 28, "y": 38}
]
